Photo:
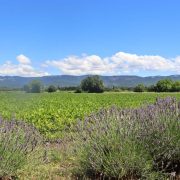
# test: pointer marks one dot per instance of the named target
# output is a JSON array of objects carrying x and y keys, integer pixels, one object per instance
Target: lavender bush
[
  {"x": 18, "y": 141},
  {"x": 139, "y": 143}
]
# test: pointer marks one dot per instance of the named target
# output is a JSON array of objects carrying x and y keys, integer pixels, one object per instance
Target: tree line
[
  {"x": 93, "y": 84},
  {"x": 164, "y": 85}
]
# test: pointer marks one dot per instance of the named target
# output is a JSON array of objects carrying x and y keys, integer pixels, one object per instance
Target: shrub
[
  {"x": 18, "y": 141},
  {"x": 26, "y": 88},
  {"x": 139, "y": 88},
  {"x": 34, "y": 86},
  {"x": 176, "y": 86},
  {"x": 151, "y": 88},
  {"x": 129, "y": 144},
  {"x": 51, "y": 89},
  {"x": 78, "y": 90}
]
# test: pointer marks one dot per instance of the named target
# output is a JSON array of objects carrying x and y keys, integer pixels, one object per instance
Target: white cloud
[
  {"x": 23, "y": 68},
  {"x": 118, "y": 64},
  {"x": 23, "y": 59},
  {"x": 81, "y": 65}
]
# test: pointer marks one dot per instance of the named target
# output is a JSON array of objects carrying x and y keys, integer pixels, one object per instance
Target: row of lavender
[
  {"x": 139, "y": 143},
  {"x": 20, "y": 144},
  {"x": 117, "y": 143}
]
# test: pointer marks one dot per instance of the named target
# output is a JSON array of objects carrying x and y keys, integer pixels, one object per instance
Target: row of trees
[
  {"x": 91, "y": 84},
  {"x": 37, "y": 87},
  {"x": 165, "y": 85},
  {"x": 94, "y": 84}
]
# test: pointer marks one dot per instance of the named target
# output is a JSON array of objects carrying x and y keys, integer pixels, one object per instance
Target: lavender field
[{"x": 96, "y": 136}]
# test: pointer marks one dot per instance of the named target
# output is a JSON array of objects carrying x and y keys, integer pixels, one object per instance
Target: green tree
[
  {"x": 27, "y": 88},
  {"x": 92, "y": 84},
  {"x": 151, "y": 88},
  {"x": 176, "y": 86},
  {"x": 164, "y": 85},
  {"x": 51, "y": 89},
  {"x": 139, "y": 88},
  {"x": 36, "y": 86},
  {"x": 78, "y": 90}
]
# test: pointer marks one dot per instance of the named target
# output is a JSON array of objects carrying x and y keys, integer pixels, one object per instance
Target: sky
[{"x": 77, "y": 37}]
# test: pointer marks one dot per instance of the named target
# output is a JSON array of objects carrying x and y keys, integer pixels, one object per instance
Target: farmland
[
  {"x": 51, "y": 113},
  {"x": 80, "y": 132}
]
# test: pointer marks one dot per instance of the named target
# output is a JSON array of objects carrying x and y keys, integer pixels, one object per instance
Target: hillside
[{"x": 68, "y": 80}]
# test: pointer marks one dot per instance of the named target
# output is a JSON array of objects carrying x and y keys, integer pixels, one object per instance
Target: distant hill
[{"x": 68, "y": 80}]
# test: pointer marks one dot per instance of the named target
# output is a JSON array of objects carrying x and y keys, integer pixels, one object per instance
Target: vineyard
[{"x": 52, "y": 113}]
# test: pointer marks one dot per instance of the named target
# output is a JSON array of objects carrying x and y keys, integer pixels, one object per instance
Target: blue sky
[{"x": 108, "y": 37}]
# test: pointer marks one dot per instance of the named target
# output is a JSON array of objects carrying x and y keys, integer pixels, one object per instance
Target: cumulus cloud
[
  {"x": 23, "y": 68},
  {"x": 118, "y": 64},
  {"x": 23, "y": 59},
  {"x": 81, "y": 65}
]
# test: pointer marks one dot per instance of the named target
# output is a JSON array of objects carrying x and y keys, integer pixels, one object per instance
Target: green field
[
  {"x": 68, "y": 153},
  {"x": 51, "y": 112}
]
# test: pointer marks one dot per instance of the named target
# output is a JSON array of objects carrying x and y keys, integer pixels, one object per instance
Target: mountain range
[{"x": 69, "y": 80}]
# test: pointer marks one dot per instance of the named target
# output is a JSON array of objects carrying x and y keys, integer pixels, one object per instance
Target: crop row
[{"x": 51, "y": 113}]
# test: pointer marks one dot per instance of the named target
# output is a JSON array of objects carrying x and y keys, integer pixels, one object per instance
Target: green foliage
[
  {"x": 18, "y": 142},
  {"x": 51, "y": 89},
  {"x": 151, "y": 88},
  {"x": 51, "y": 113},
  {"x": 128, "y": 144},
  {"x": 164, "y": 85},
  {"x": 92, "y": 84},
  {"x": 140, "y": 88},
  {"x": 27, "y": 88},
  {"x": 34, "y": 86},
  {"x": 69, "y": 88},
  {"x": 78, "y": 90},
  {"x": 176, "y": 86}
]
